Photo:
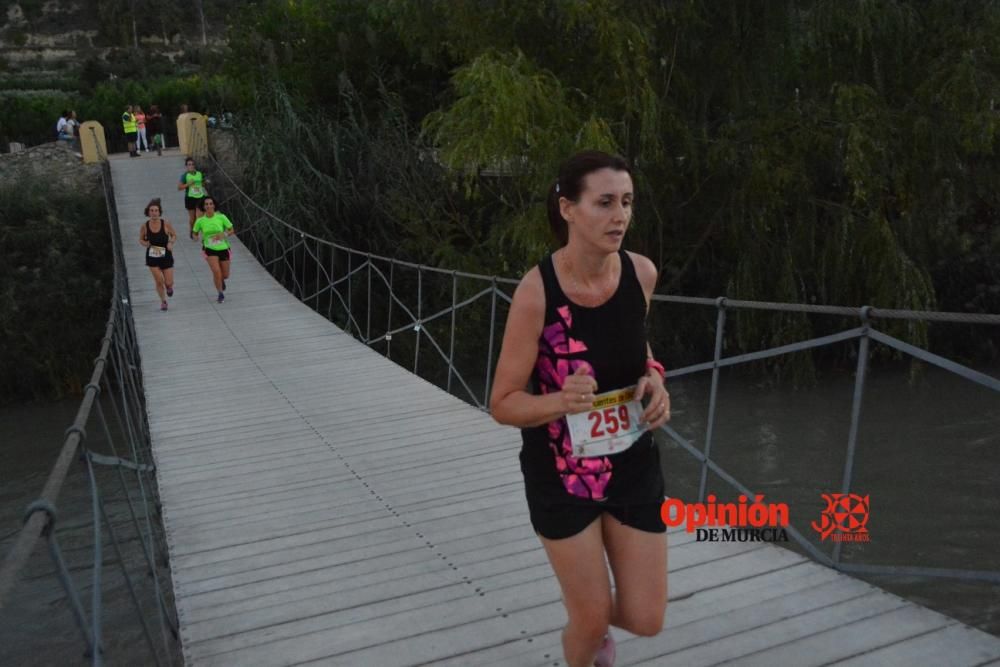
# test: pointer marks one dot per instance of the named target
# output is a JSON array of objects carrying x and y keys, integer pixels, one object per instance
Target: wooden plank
[
  {"x": 537, "y": 642},
  {"x": 864, "y": 633},
  {"x": 305, "y": 526},
  {"x": 740, "y": 632},
  {"x": 521, "y": 586},
  {"x": 954, "y": 645}
]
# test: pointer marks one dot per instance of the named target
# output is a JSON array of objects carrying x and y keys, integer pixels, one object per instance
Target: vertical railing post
[
  {"x": 451, "y": 346},
  {"x": 420, "y": 313},
  {"x": 388, "y": 314},
  {"x": 368, "y": 316},
  {"x": 295, "y": 269},
  {"x": 269, "y": 245},
  {"x": 489, "y": 348},
  {"x": 350, "y": 289},
  {"x": 720, "y": 327},
  {"x": 319, "y": 263},
  {"x": 333, "y": 280},
  {"x": 859, "y": 390},
  {"x": 95, "y": 591}
]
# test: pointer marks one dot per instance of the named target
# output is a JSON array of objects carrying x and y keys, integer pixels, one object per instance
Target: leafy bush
[
  {"x": 31, "y": 118},
  {"x": 55, "y": 286}
]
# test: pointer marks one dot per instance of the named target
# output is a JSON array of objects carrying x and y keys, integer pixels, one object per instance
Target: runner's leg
[
  {"x": 168, "y": 279},
  {"x": 213, "y": 263},
  {"x": 158, "y": 279},
  {"x": 638, "y": 562},
  {"x": 579, "y": 565}
]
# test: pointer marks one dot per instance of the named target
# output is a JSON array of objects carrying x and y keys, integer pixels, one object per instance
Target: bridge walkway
[{"x": 324, "y": 505}]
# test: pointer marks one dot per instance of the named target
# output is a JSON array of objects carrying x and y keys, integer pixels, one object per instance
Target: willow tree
[{"x": 804, "y": 151}]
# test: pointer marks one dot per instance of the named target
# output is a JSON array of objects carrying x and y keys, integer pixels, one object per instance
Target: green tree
[{"x": 805, "y": 151}]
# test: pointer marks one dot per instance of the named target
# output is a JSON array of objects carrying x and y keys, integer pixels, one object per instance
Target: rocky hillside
[
  {"x": 54, "y": 164},
  {"x": 51, "y": 43}
]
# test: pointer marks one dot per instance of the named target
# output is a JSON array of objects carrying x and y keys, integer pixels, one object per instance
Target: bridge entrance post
[{"x": 93, "y": 145}]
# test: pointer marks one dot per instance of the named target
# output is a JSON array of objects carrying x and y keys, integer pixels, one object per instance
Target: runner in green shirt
[
  {"x": 214, "y": 227},
  {"x": 192, "y": 182}
]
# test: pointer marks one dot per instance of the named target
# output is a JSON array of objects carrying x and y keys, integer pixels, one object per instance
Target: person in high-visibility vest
[{"x": 130, "y": 128}]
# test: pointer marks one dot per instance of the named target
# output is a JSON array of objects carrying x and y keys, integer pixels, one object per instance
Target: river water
[
  {"x": 928, "y": 456},
  {"x": 37, "y": 625}
]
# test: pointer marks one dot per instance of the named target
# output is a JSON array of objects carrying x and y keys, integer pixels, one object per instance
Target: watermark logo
[
  {"x": 845, "y": 518},
  {"x": 742, "y": 521}
]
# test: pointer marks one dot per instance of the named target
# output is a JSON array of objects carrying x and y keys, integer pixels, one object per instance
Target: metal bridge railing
[
  {"x": 864, "y": 334},
  {"x": 339, "y": 282},
  {"x": 113, "y": 407}
]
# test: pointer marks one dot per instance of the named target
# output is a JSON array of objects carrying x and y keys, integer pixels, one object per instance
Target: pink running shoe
[
  {"x": 170, "y": 291},
  {"x": 163, "y": 306},
  {"x": 606, "y": 654}
]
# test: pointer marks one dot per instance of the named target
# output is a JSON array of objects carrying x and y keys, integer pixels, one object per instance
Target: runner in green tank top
[
  {"x": 192, "y": 182},
  {"x": 213, "y": 228}
]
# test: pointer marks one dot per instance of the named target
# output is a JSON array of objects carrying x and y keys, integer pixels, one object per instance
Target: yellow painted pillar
[
  {"x": 192, "y": 134},
  {"x": 93, "y": 144}
]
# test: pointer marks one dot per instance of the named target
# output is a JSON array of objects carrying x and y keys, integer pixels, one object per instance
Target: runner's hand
[
  {"x": 578, "y": 390},
  {"x": 657, "y": 412}
]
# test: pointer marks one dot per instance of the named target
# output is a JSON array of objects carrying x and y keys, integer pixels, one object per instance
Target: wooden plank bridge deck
[{"x": 323, "y": 505}]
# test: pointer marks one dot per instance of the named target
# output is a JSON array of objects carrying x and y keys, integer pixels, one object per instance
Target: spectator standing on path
[
  {"x": 140, "y": 124},
  {"x": 62, "y": 132},
  {"x": 214, "y": 227},
  {"x": 158, "y": 237},
  {"x": 130, "y": 129},
  {"x": 154, "y": 125},
  {"x": 73, "y": 130},
  {"x": 193, "y": 183},
  {"x": 576, "y": 326}
]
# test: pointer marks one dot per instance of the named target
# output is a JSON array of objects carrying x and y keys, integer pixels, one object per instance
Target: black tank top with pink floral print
[{"x": 611, "y": 340}]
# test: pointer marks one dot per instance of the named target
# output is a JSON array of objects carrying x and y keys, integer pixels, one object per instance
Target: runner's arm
[
  {"x": 142, "y": 236},
  {"x": 510, "y": 402},
  {"x": 651, "y": 383},
  {"x": 171, "y": 235}
]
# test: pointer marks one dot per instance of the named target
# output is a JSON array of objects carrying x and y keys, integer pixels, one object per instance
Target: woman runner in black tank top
[
  {"x": 158, "y": 236},
  {"x": 576, "y": 331},
  {"x": 610, "y": 339}
]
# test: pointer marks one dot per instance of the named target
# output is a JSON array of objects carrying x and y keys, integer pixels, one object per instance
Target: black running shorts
[
  {"x": 165, "y": 262},
  {"x": 556, "y": 521}
]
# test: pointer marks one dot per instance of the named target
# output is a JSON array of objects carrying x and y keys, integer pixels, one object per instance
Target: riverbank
[{"x": 56, "y": 273}]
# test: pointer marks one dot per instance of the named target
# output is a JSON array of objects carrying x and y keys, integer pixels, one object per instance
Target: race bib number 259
[{"x": 611, "y": 426}]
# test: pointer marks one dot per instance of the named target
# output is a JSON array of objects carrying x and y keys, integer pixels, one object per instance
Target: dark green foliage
[
  {"x": 807, "y": 151},
  {"x": 55, "y": 286},
  {"x": 31, "y": 119}
]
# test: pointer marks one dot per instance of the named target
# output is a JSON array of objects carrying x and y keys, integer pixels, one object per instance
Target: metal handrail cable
[
  {"x": 863, "y": 333},
  {"x": 116, "y": 371}
]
